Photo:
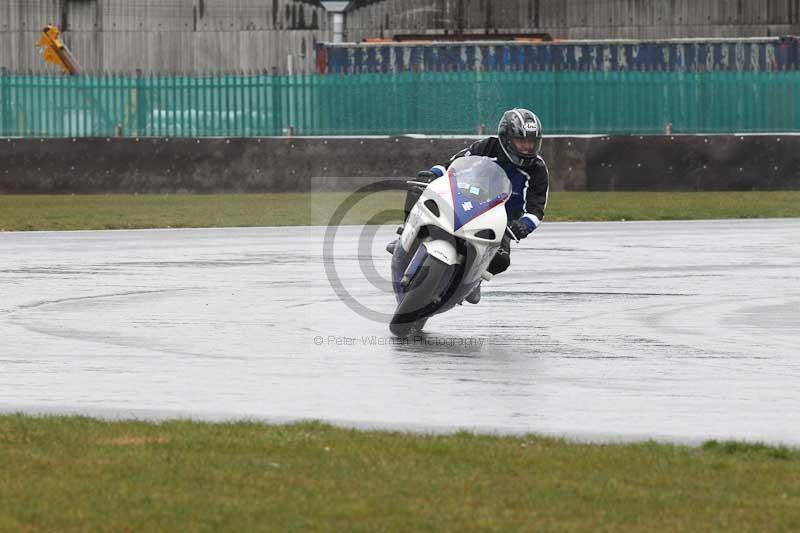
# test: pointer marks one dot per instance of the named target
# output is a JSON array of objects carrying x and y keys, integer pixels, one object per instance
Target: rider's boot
[{"x": 390, "y": 247}]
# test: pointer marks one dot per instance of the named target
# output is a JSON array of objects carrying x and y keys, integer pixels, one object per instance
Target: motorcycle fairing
[{"x": 464, "y": 211}]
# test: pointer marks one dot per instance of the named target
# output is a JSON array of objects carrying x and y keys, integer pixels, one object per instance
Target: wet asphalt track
[{"x": 675, "y": 330}]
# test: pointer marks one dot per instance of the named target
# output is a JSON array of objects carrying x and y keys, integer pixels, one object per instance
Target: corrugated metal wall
[
  {"x": 167, "y": 36},
  {"x": 177, "y": 36},
  {"x": 578, "y": 19}
]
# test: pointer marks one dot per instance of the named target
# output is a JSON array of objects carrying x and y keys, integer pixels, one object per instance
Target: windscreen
[
  {"x": 479, "y": 179},
  {"x": 477, "y": 184}
]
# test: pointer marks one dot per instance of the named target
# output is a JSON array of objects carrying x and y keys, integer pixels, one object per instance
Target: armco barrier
[{"x": 247, "y": 165}]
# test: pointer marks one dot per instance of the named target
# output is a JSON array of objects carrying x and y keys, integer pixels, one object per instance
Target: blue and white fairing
[
  {"x": 466, "y": 197},
  {"x": 465, "y": 204}
]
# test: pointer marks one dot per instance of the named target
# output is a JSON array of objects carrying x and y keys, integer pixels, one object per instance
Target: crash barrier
[
  {"x": 454, "y": 103},
  {"x": 280, "y": 164}
]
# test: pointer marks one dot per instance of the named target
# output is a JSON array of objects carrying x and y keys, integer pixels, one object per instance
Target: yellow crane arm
[{"x": 56, "y": 52}]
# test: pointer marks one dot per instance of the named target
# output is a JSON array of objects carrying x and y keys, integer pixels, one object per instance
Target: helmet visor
[{"x": 525, "y": 146}]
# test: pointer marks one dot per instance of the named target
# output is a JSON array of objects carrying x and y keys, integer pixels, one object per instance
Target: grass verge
[
  {"x": 65, "y": 473},
  {"x": 21, "y": 213}
]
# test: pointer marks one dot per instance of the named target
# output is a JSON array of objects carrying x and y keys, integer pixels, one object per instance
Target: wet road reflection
[{"x": 675, "y": 330}]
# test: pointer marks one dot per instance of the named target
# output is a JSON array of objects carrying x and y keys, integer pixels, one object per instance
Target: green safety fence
[{"x": 385, "y": 104}]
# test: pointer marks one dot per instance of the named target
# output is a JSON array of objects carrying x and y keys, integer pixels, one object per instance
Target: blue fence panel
[{"x": 760, "y": 55}]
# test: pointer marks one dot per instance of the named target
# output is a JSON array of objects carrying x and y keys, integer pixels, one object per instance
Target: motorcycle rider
[{"x": 516, "y": 148}]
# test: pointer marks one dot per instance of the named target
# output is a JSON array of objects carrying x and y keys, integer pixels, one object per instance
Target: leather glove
[
  {"x": 426, "y": 175},
  {"x": 520, "y": 228}
]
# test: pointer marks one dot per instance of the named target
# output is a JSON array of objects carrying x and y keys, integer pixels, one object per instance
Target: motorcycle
[{"x": 449, "y": 238}]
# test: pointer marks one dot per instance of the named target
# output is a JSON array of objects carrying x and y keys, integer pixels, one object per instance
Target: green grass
[
  {"x": 177, "y": 211},
  {"x": 21, "y": 213},
  {"x": 66, "y": 473},
  {"x": 673, "y": 206}
]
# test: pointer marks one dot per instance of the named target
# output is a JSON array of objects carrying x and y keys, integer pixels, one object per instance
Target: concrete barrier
[
  {"x": 693, "y": 163},
  {"x": 245, "y": 165}
]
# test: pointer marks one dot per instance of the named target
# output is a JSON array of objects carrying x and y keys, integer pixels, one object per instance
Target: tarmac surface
[{"x": 680, "y": 331}]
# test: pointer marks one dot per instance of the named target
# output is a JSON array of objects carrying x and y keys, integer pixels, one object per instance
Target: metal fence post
[
  {"x": 5, "y": 102},
  {"x": 141, "y": 117}
]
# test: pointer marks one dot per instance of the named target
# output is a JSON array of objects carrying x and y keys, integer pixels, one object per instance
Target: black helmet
[{"x": 520, "y": 134}]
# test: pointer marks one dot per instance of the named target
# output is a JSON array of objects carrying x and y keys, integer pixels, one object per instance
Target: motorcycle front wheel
[{"x": 422, "y": 297}]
